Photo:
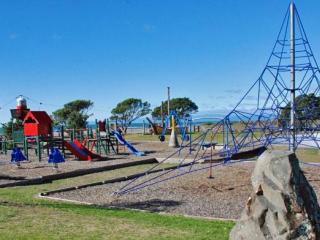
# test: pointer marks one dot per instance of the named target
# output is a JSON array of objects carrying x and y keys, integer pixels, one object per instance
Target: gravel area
[
  {"x": 36, "y": 169},
  {"x": 223, "y": 196},
  {"x": 33, "y": 168}
]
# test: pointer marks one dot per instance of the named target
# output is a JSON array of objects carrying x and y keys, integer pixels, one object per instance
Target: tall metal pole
[
  {"x": 162, "y": 119},
  {"x": 169, "y": 122},
  {"x": 293, "y": 77},
  {"x": 168, "y": 101}
]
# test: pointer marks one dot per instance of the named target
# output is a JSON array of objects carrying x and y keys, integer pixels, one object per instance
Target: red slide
[{"x": 80, "y": 151}]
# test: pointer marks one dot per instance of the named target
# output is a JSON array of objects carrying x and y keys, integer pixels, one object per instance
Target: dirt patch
[
  {"x": 33, "y": 168},
  {"x": 223, "y": 196}
]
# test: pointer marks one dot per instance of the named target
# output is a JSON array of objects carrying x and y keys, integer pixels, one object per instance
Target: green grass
[
  {"x": 304, "y": 154},
  {"x": 148, "y": 137},
  {"x": 23, "y": 216},
  {"x": 142, "y": 137},
  {"x": 308, "y": 155}
]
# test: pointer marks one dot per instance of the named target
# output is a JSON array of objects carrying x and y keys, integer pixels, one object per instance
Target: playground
[{"x": 178, "y": 179}]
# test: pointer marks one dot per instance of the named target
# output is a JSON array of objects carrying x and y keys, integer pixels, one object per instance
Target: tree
[
  {"x": 130, "y": 110},
  {"x": 182, "y": 106},
  {"x": 7, "y": 129},
  {"x": 73, "y": 114},
  {"x": 307, "y": 109},
  {"x": 12, "y": 125}
]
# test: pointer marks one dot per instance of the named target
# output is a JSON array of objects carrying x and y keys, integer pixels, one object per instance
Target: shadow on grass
[{"x": 154, "y": 205}]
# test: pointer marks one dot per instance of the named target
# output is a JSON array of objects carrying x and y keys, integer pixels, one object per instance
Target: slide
[
  {"x": 80, "y": 151},
  {"x": 122, "y": 141}
]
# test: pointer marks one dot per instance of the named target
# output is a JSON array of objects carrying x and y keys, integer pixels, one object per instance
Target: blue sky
[{"x": 108, "y": 50}]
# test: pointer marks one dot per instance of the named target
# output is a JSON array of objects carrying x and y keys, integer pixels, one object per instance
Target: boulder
[{"x": 282, "y": 205}]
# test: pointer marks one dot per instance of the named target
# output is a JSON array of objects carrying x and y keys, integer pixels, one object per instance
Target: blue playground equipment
[
  {"x": 122, "y": 141},
  {"x": 17, "y": 156},
  {"x": 182, "y": 125},
  {"x": 291, "y": 73},
  {"x": 55, "y": 156}
]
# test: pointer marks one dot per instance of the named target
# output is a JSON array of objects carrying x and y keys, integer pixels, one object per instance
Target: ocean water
[{"x": 143, "y": 122}]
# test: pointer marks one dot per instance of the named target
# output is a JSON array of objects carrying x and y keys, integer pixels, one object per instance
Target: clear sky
[{"x": 209, "y": 50}]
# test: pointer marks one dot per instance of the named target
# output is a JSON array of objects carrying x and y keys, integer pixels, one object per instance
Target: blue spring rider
[
  {"x": 17, "y": 156},
  {"x": 55, "y": 157}
]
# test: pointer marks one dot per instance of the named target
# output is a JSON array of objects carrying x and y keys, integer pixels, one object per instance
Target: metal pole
[
  {"x": 168, "y": 101},
  {"x": 292, "y": 146},
  {"x": 161, "y": 109},
  {"x": 190, "y": 136},
  {"x": 62, "y": 142},
  {"x": 169, "y": 124},
  {"x": 144, "y": 128}
]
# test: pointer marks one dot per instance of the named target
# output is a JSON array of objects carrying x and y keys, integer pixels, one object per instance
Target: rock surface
[{"x": 282, "y": 206}]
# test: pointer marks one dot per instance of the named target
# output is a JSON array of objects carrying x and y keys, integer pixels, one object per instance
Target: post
[
  {"x": 25, "y": 148},
  {"x": 73, "y": 135},
  {"x": 38, "y": 147},
  {"x": 190, "y": 135},
  {"x": 161, "y": 110},
  {"x": 144, "y": 128},
  {"x": 168, "y": 101},
  {"x": 108, "y": 126},
  {"x": 62, "y": 142},
  {"x": 98, "y": 141},
  {"x": 88, "y": 137},
  {"x": 5, "y": 146},
  {"x": 292, "y": 146}
]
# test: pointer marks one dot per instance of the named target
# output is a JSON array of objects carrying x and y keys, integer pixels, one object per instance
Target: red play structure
[
  {"x": 37, "y": 123},
  {"x": 34, "y": 130}
]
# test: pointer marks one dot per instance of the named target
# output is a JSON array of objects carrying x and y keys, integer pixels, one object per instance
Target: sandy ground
[
  {"x": 33, "y": 168},
  {"x": 223, "y": 196}
]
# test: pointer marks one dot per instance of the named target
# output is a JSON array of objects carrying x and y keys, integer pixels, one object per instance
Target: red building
[{"x": 37, "y": 123}]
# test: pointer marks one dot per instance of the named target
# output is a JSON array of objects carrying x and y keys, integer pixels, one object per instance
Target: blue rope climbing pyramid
[{"x": 262, "y": 117}]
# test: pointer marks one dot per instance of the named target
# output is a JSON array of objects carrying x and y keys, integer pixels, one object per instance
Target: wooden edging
[
  {"x": 76, "y": 173},
  {"x": 113, "y": 180},
  {"x": 7, "y": 177}
]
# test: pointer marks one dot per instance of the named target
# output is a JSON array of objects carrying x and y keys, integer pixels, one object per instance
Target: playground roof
[{"x": 38, "y": 116}]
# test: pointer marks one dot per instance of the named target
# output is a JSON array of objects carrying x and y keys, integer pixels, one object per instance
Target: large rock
[{"x": 283, "y": 205}]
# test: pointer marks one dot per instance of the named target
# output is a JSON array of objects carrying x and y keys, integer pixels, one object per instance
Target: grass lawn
[
  {"x": 308, "y": 155},
  {"x": 304, "y": 154},
  {"x": 142, "y": 137},
  {"x": 148, "y": 137},
  {"x": 23, "y": 216}
]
